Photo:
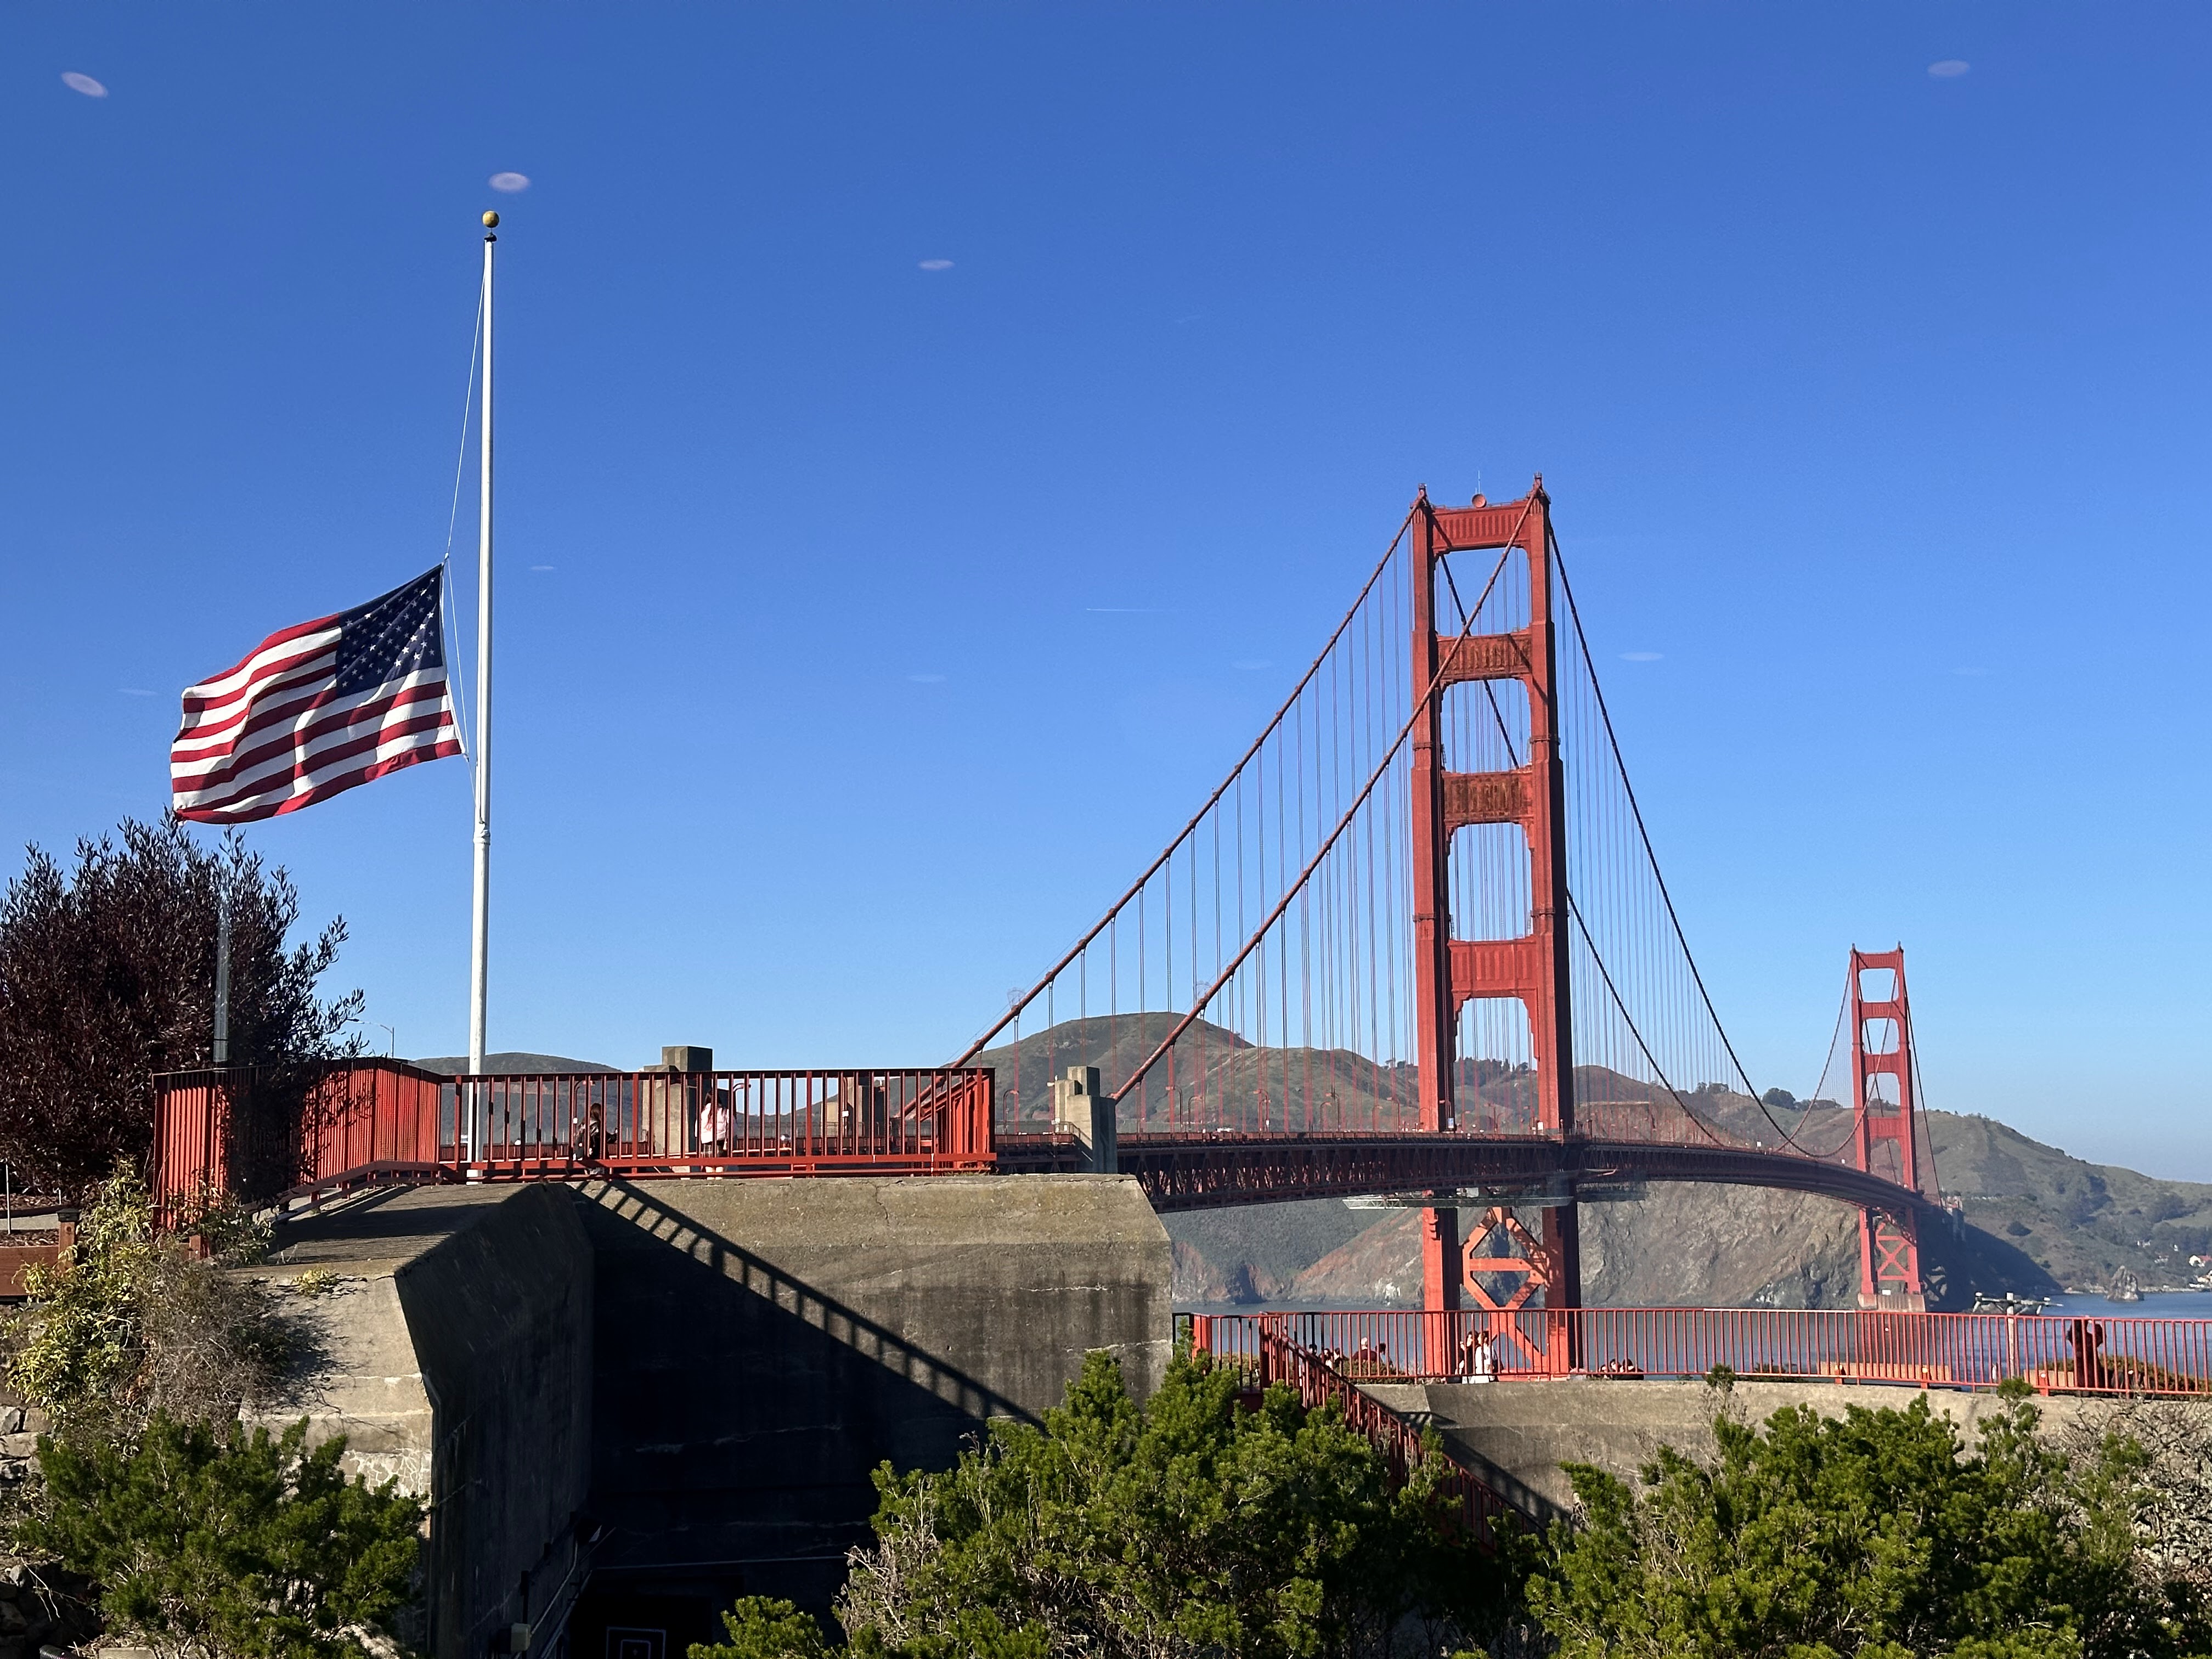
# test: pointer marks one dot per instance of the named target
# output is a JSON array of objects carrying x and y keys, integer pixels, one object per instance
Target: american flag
[{"x": 318, "y": 708}]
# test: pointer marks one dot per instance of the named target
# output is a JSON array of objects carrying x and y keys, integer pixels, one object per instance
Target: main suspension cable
[
  {"x": 1643, "y": 834},
  {"x": 1199, "y": 817},
  {"x": 1449, "y": 657},
  {"x": 1651, "y": 857}
]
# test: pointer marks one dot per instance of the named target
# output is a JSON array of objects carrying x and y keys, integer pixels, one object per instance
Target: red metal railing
[
  {"x": 2064, "y": 1353},
  {"x": 1317, "y": 1382},
  {"x": 218, "y": 1130},
  {"x": 807, "y": 1122},
  {"x": 1668, "y": 1122},
  {"x": 192, "y": 1137},
  {"x": 383, "y": 1120},
  {"x": 376, "y": 1117}
]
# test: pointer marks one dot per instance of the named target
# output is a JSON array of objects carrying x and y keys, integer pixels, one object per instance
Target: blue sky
[{"x": 864, "y": 626}]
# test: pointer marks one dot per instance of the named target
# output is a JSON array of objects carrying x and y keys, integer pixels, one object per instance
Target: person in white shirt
[{"x": 713, "y": 1126}]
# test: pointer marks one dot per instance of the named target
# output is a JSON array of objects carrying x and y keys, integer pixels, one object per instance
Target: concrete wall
[
  {"x": 679, "y": 1390},
  {"x": 1524, "y": 1431},
  {"x": 453, "y": 1350},
  {"x": 765, "y": 1345}
]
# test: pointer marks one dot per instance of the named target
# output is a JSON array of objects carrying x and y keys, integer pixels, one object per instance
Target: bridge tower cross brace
[
  {"x": 1884, "y": 1132},
  {"x": 1532, "y": 968}
]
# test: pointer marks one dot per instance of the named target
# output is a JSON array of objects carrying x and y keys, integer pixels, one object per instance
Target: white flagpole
[{"x": 480, "y": 934}]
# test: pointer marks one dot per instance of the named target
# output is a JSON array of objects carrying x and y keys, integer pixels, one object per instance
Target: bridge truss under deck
[{"x": 1215, "y": 1171}]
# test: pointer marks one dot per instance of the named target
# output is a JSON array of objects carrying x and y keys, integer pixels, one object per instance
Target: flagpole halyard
[{"x": 480, "y": 930}]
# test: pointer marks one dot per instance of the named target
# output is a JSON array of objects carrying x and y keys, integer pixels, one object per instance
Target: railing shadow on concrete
[
  {"x": 741, "y": 1410},
  {"x": 837, "y": 1321}
]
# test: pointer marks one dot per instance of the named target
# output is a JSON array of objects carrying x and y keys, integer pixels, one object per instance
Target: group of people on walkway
[{"x": 1474, "y": 1361}]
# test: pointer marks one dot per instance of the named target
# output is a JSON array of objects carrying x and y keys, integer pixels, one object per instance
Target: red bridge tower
[
  {"x": 1883, "y": 1119},
  {"x": 1532, "y": 968}
]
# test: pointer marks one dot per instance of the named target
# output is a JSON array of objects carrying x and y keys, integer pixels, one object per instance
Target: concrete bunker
[{"x": 628, "y": 1403}]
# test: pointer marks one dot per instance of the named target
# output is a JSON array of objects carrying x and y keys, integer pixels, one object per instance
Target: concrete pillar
[
  {"x": 1080, "y": 1109},
  {"x": 669, "y": 1097}
]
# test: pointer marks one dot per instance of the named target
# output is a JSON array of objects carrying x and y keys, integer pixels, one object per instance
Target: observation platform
[{"x": 384, "y": 1122}]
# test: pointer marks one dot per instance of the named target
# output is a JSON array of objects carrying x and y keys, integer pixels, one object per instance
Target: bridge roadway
[{"x": 1197, "y": 1171}]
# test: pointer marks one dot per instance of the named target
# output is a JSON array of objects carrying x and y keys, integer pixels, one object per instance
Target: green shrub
[
  {"x": 1878, "y": 1534},
  {"x": 84, "y": 1336},
  {"x": 229, "y": 1545},
  {"x": 762, "y": 1627},
  {"x": 131, "y": 1322},
  {"x": 1188, "y": 1525}
]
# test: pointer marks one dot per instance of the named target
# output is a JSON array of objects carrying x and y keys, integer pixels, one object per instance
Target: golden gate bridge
[
  {"x": 1418, "y": 942},
  {"x": 1417, "y": 945}
]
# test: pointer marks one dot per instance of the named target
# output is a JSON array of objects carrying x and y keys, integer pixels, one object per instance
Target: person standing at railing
[
  {"x": 1477, "y": 1362},
  {"x": 587, "y": 1135},
  {"x": 714, "y": 1122},
  {"x": 2085, "y": 1339}
]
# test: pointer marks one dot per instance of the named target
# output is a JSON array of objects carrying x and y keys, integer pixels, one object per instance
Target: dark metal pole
[{"x": 220, "y": 1047}]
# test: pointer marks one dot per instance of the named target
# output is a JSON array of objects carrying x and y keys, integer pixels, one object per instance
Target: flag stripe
[
  {"x": 323, "y": 790},
  {"x": 293, "y": 782},
  {"x": 300, "y": 724},
  {"x": 296, "y": 713},
  {"x": 216, "y": 717},
  {"x": 296, "y": 780},
  {"x": 279, "y": 648},
  {"x": 290, "y": 760},
  {"x": 319, "y": 708}
]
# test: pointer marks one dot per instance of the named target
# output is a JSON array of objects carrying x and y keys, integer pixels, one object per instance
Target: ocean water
[{"x": 2155, "y": 1304}]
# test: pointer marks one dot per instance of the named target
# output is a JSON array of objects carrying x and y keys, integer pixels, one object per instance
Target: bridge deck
[{"x": 1213, "y": 1170}]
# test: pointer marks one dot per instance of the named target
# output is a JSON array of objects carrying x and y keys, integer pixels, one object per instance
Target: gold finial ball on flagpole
[{"x": 491, "y": 221}]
